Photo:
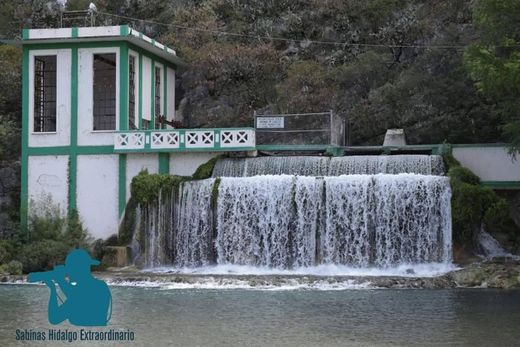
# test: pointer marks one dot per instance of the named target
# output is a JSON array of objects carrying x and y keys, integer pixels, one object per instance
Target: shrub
[
  {"x": 474, "y": 205},
  {"x": 145, "y": 188},
  {"x": 463, "y": 174},
  {"x": 14, "y": 267},
  {"x": 43, "y": 255},
  {"x": 205, "y": 170}
]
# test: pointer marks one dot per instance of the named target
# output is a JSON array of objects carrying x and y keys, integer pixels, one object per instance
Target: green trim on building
[
  {"x": 69, "y": 45},
  {"x": 140, "y": 93},
  {"x": 482, "y": 145},
  {"x": 124, "y": 30},
  {"x": 122, "y": 184},
  {"x": 165, "y": 90},
  {"x": 74, "y": 32},
  {"x": 25, "y": 34},
  {"x": 501, "y": 184},
  {"x": 164, "y": 163},
  {"x": 151, "y": 56},
  {"x": 183, "y": 149},
  {"x": 65, "y": 150},
  {"x": 24, "y": 189},
  {"x": 123, "y": 87},
  {"x": 73, "y": 160},
  {"x": 152, "y": 93}
]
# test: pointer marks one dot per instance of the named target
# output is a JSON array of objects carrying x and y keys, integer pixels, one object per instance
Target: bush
[
  {"x": 14, "y": 267},
  {"x": 463, "y": 174},
  {"x": 7, "y": 250},
  {"x": 205, "y": 170},
  {"x": 145, "y": 188},
  {"x": 43, "y": 255},
  {"x": 473, "y": 206}
]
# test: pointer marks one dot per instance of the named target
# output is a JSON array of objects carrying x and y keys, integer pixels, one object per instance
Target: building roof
[{"x": 103, "y": 33}]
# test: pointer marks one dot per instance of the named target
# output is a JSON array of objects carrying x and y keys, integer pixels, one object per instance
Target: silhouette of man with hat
[{"x": 89, "y": 302}]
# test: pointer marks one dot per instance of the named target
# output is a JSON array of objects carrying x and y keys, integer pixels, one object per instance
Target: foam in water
[
  {"x": 290, "y": 222},
  {"x": 193, "y": 245},
  {"x": 324, "y": 166}
]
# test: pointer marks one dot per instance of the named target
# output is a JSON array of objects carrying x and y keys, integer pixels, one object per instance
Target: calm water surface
[{"x": 177, "y": 317}]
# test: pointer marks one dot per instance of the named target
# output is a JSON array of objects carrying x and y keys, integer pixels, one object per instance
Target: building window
[
  {"x": 45, "y": 93},
  {"x": 131, "y": 92},
  {"x": 105, "y": 91},
  {"x": 157, "y": 96}
]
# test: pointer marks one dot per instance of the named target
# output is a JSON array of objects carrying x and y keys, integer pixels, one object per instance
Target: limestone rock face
[{"x": 503, "y": 273}]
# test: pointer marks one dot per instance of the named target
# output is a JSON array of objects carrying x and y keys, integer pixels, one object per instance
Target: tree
[{"x": 494, "y": 61}]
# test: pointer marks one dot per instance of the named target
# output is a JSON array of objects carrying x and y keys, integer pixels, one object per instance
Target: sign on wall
[{"x": 269, "y": 122}]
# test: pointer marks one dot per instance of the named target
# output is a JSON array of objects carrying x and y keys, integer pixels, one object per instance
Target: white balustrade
[
  {"x": 163, "y": 139},
  {"x": 200, "y": 139},
  {"x": 131, "y": 140},
  {"x": 237, "y": 138},
  {"x": 180, "y": 139}
]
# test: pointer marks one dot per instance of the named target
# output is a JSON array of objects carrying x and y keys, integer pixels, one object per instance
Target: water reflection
[{"x": 162, "y": 317}]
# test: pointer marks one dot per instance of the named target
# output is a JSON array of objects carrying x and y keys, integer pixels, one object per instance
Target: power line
[{"x": 274, "y": 38}]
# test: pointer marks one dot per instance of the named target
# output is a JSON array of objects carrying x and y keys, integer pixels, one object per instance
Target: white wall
[
  {"x": 136, "y": 86},
  {"x": 135, "y": 163},
  {"x": 185, "y": 164},
  {"x": 63, "y": 82},
  {"x": 86, "y": 136},
  {"x": 170, "y": 112},
  {"x": 489, "y": 163},
  {"x": 47, "y": 176},
  {"x": 97, "y": 194},
  {"x": 147, "y": 88}
]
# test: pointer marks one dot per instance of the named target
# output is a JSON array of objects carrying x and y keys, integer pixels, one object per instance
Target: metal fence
[{"x": 322, "y": 128}]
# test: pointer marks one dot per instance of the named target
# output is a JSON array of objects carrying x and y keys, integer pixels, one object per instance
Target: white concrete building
[{"x": 97, "y": 102}]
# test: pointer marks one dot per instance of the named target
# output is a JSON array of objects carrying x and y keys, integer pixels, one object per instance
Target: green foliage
[
  {"x": 43, "y": 254},
  {"x": 14, "y": 267},
  {"x": 214, "y": 191},
  {"x": 494, "y": 61},
  {"x": 49, "y": 237},
  {"x": 145, "y": 188},
  {"x": 463, "y": 174},
  {"x": 473, "y": 205},
  {"x": 205, "y": 170}
]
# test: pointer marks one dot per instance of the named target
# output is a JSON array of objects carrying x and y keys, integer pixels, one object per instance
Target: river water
[{"x": 217, "y": 317}]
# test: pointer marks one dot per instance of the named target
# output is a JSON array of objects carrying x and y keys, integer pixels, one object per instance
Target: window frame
[
  {"x": 32, "y": 100},
  {"x": 116, "y": 85},
  {"x": 137, "y": 100}
]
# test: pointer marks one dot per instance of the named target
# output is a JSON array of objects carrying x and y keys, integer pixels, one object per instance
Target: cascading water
[
  {"x": 178, "y": 227},
  {"x": 192, "y": 239},
  {"x": 268, "y": 221},
  {"x": 288, "y": 222},
  {"x": 389, "y": 164},
  {"x": 324, "y": 166},
  {"x": 246, "y": 167}
]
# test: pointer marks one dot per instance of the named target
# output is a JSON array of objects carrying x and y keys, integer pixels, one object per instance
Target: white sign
[{"x": 269, "y": 122}]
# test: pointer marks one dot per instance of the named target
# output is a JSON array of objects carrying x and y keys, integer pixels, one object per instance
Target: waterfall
[
  {"x": 324, "y": 166},
  {"x": 268, "y": 220},
  {"x": 246, "y": 167},
  {"x": 158, "y": 223},
  {"x": 389, "y": 164},
  {"x": 178, "y": 226},
  {"x": 287, "y": 222},
  {"x": 387, "y": 219},
  {"x": 193, "y": 224}
]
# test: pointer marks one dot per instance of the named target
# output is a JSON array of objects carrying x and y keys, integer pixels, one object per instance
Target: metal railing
[{"x": 321, "y": 128}]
